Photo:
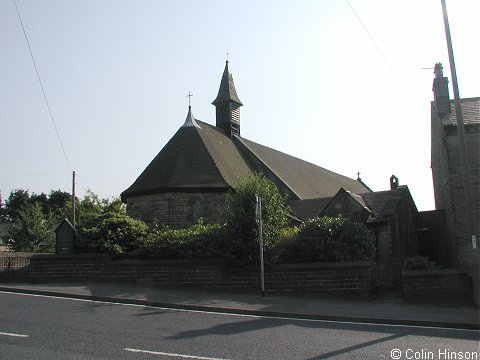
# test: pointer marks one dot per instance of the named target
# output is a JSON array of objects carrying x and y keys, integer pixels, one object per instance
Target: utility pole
[
  {"x": 463, "y": 159},
  {"x": 460, "y": 131},
  {"x": 73, "y": 199},
  {"x": 258, "y": 219}
]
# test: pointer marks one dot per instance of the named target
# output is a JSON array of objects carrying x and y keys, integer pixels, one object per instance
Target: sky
[{"x": 345, "y": 85}]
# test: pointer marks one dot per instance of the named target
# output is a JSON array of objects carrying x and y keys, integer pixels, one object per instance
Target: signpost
[{"x": 258, "y": 220}]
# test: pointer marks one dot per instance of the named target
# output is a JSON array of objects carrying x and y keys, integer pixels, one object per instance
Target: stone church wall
[{"x": 178, "y": 210}]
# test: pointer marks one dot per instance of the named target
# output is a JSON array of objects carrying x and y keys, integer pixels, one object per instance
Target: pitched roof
[
  {"x": 200, "y": 157},
  {"x": 381, "y": 204},
  {"x": 309, "y": 208},
  {"x": 470, "y": 111},
  {"x": 384, "y": 203},
  {"x": 227, "y": 91},
  {"x": 196, "y": 157},
  {"x": 305, "y": 179}
]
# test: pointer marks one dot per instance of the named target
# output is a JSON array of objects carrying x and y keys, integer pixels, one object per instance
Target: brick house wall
[
  {"x": 441, "y": 179},
  {"x": 177, "y": 209},
  {"x": 459, "y": 232},
  {"x": 448, "y": 186}
]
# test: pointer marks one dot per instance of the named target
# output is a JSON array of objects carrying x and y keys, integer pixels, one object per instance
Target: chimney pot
[
  {"x": 438, "y": 70},
  {"x": 440, "y": 92}
]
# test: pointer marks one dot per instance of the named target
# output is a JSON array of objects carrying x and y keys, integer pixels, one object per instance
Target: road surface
[{"x": 40, "y": 327}]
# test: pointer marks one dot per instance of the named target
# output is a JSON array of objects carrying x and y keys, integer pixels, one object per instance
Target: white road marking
[
  {"x": 13, "y": 335},
  {"x": 171, "y": 354},
  {"x": 241, "y": 315}
]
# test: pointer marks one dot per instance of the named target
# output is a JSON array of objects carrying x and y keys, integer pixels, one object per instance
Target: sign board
[{"x": 65, "y": 236}]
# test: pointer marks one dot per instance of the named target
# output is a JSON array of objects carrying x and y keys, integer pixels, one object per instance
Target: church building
[{"x": 193, "y": 173}]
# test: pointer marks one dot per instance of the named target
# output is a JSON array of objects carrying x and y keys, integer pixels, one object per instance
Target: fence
[
  {"x": 14, "y": 268},
  {"x": 386, "y": 286}
]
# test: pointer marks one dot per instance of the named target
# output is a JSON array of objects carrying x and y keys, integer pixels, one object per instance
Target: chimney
[
  {"x": 440, "y": 92},
  {"x": 394, "y": 182}
]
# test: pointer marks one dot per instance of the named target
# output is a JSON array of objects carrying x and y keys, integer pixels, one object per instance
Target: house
[
  {"x": 447, "y": 171},
  {"x": 191, "y": 176}
]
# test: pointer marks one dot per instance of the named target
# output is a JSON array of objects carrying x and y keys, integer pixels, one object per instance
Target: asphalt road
[{"x": 38, "y": 327}]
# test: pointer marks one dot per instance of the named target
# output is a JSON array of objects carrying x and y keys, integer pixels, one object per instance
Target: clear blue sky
[{"x": 312, "y": 81}]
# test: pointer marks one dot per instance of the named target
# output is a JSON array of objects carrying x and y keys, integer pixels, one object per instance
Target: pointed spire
[
  {"x": 190, "y": 120},
  {"x": 227, "y": 91}
]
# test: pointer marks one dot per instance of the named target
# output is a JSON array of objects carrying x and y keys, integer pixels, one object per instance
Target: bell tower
[{"x": 227, "y": 105}]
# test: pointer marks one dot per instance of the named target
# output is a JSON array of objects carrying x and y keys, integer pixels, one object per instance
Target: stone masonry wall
[
  {"x": 330, "y": 278},
  {"x": 178, "y": 210},
  {"x": 441, "y": 180},
  {"x": 464, "y": 251},
  {"x": 437, "y": 285},
  {"x": 448, "y": 186}
]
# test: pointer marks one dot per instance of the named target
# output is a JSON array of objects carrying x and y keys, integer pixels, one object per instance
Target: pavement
[{"x": 395, "y": 312}]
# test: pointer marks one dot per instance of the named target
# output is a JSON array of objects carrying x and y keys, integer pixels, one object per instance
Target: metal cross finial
[
  {"x": 358, "y": 175},
  {"x": 189, "y": 96},
  {"x": 227, "y": 55}
]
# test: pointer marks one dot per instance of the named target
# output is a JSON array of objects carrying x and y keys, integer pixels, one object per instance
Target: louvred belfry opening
[{"x": 227, "y": 105}]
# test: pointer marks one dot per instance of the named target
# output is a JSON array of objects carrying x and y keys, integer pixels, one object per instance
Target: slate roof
[
  {"x": 196, "y": 158},
  {"x": 384, "y": 203},
  {"x": 227, "y": 91},
  {"x": 470, "y": 110},
  {"x": 381, "y": 203},
  {"x": 309, "y": 208},
  {"x": 200, "y": 157},
  {"x": 305, "y": 179}
]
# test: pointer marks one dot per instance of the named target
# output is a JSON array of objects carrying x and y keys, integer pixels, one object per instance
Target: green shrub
[
  {"x": 419, "y": 263},
  {"x": 242, "y": 231},
  {"x": 326, "y": 239},
  {"x": 111, "y": 232},
  {"x": 198, "y": 241}
]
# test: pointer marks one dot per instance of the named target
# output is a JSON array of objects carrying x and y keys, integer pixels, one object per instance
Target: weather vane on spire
[{"x": 189, "y": 96}]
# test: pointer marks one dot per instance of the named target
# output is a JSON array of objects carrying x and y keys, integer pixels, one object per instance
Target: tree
[
  {"x": 242, "y": 246},
  {"x": 57, "y": 202},
  {"x": 32, "y": 230},
  {"x": 42, "y": 199},
  {"x": 17, "y": 199}
]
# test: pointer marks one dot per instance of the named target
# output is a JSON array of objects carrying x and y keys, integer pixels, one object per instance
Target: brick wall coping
[
  {"x": 50, "y": 257},
  {"x": 206, "y": 262},
  {"x": 320, "y": 265},
  {"x": 433, "y": 272}
]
